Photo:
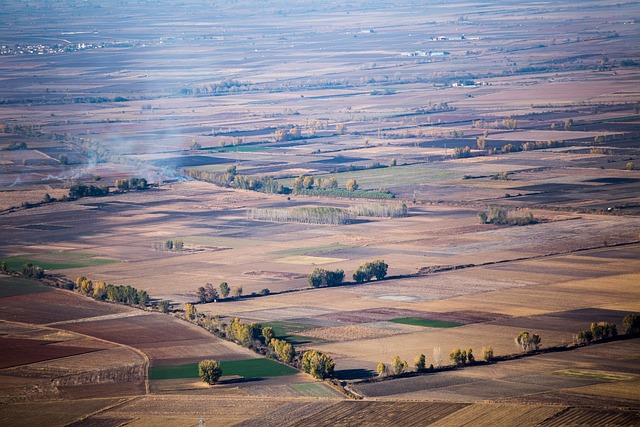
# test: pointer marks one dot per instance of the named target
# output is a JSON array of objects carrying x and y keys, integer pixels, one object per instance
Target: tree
[
  {"x": 224, "y": 289},
  {"x": 487, "y": 354},
  {"x": 365, "y": 272},
  {"x": 211, "y": 294},
  {"x": 190, "y": 311},
  {"x": 399, "y": 366},
  {"x": 168, "y": 245},
  {"x": 379, "y": 269},
  {"x": 209, "y": 371},
  {"x": 481, "y": 142},
  {"x": 268, "y": 334},
  {"x": 308, "y": 182},
  {"x": 201, "y": 294},
  {"x": 630, "y": 166},
  {"x": 528, "y": 342},
  {"x": 568, "y": 123},
  {"x": 437, "y": 357},
  {"x": 84, "y": 285},
  {"x": 352, "y": 185},
  {"x": 458, "y": 357},
  {"x": 631, "y": 323},
  {"x": 143, "y": 298},
  {"x": 283, "y": 350},
  {"x": 122, "y": 184},
  {"x": 237, "y": 292},
  {"x": 3, "y": 266},
  {"x": 317, "y": 277},
  {"x": 470, "y": 358},
  {"x": 178, "y": 245},
  {"x": 482, "y": 216},
  {"x": 381, "y": 369},
  {"x": 164, "y": 306},
  {"x": 420, "y": 363},
  {"x": 30, "y": 270},
  {"x": 393, "y": 163},
  {"x": 319, "y": 365},
  {"x": 321, "y": 277}
]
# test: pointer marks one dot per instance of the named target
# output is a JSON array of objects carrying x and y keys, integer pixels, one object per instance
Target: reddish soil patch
[
  {"x": 164, "y": 339},
  {"x": 89, "y": 391},
  {"x": 55, "y": 306},
  {"x": 17, "y": 351}
]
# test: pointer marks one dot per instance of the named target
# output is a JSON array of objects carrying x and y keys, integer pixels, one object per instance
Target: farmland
[{"x": 489, "y": 153}]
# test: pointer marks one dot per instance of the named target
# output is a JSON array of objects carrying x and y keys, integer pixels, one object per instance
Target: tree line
[
  {"x": 499, "y": 216},
  {"x": 320, "y": 277},
  {"x": 103, "y": 291}
]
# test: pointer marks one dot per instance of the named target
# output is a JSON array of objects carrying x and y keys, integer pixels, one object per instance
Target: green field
[
  {"x": 288, "y": 331},
  {"x": 57, "y": 261},
  {"x": 250, "y": 368},
  {"x": 11, "y": 286},
  {"x": 415, "y": 321},
  {"x": 313, "y": 390}
]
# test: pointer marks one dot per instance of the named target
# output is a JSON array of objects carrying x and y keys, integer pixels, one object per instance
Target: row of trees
[
  {"x": 462, "y": 357},
  {"x": 174, "y": 245},
  {"x": 231, "y": 179},
  {"x": 320, "y": 277},
  {"x": 287, "y": 134},
  {"x": 103, "y": 291},
  {"x": 368, "y": 270},
  {"x": 380, "y": 210},
  {"x": 132, "y": 184},
  {"x": 307, "y": 182},
  {"x": 597, "y": 331},
  {"x": 79, "y": 191},
  {"x": 499, "y": 216},
  {"x": 307, "y": 215},
  {"x": 457, "y": 356}
]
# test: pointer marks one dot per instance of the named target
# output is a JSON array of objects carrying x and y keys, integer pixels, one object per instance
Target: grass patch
[
  {"x": 594, "y": 375},
  {"x": 313, "y": 390},
  {"x": 250, "y": 368},
  {"x": 312, "y": 250},
  {"x": 12, "y": 286},
  {"x": 57, "y": 261},
  {"x": 427, "y": 323},
  {"x": 288, "y": 331}
]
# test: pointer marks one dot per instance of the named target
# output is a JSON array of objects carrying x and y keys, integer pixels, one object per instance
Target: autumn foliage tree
[
  {"x": 317, "y": 364},
  {"x": 209, "y": 371}
]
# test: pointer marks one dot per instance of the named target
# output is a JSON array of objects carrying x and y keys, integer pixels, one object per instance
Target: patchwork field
[{"x": 488, "y": 153}]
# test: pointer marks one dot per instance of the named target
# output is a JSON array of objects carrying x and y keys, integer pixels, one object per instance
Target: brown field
[{"x": 388, "y": 94}]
